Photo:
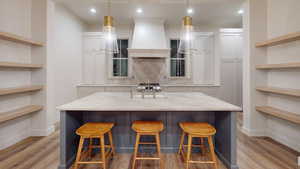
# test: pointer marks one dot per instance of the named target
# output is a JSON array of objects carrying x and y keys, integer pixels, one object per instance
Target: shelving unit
[
  {"x": 293, "y": 65},
  {"x": 19, "y": 39},
  {"x": 10, "y": 115},
  {"x": 26, "y": 110},
  {"x": 20, "y": 65},
  {"x": 23, "y": 81},
  {"x": 21, "y": 89},
  {"x": 292, "y": 117},
  {"x": 281, "y": 91},
  {"x": 280, "y": 40},
  {"x": 272, "y": 111}
]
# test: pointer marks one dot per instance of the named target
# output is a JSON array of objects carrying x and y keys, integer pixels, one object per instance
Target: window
[
  {"x": 120, "y": 60},
  {"x": 177, "y": 60}
]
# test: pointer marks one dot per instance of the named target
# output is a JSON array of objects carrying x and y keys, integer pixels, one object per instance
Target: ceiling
[{"x": 210, "y": 12}]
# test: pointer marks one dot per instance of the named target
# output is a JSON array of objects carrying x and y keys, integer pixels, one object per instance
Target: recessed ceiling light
[
  {"x": 139, "y": 10},
  {"x": 190, "y": 11},
  {"x": 240, "y": 11},
  {"x": 93, "y": 10}
]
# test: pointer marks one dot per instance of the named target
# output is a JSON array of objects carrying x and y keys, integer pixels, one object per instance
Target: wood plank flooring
[{"x": 253, "y": 153}]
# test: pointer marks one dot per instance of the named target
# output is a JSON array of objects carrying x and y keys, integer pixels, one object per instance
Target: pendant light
[
  {"x": 111, "y": 44},
  {"x": 186, "y": 34}
]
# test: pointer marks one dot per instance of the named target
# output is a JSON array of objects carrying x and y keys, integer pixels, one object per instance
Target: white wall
[
  {"x": 61, "y": 31},
  {"x": 18, "y": 23},
  {"x": 228, "y": 59},
  {"x": 255, "y": 29},
  {"x": 283, "y": 18},
  {"x": 64, "y": 61},
  {"x": 267, "y": 19}
]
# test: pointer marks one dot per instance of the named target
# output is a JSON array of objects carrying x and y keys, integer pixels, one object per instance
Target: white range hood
[{"x": 149, "y": 39}]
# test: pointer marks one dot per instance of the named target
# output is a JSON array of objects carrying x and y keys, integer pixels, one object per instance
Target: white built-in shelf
[
  {"x": 13, "y": 114},
  {"x": 21, "y": 89},
  {"x": 282, "y": 91},
  {"x": 19, "y": 39},
  {"x": 292, "y": 117},
  {"x": 293, "y": 65},
  {"x": 20, "y": 65},
  {"x": 280, "y": 40}
]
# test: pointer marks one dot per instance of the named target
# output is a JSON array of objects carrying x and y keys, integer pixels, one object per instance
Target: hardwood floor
[{"x": 253, "y": 153}]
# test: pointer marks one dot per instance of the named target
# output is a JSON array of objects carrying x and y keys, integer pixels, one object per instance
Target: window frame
[
  {"x": 112, "y": 76},
  {"x": 185, "y": 59}
]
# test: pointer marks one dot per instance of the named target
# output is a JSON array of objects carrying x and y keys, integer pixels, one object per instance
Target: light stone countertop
[{"x": 121, "y": 101}]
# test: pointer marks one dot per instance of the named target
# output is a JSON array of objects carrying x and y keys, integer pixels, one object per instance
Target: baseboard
[
  {"x": 43, "y": 132},
  {"x": 253, "y": 133},
  {"x": 14, "y": 140},
  {"x": 283, "y": 140},
  {"x": 56, "y": 125},
  {"x": 277, "y": 137}
]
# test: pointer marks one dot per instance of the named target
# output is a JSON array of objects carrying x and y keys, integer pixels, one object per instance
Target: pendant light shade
[
  {"x": 186, "y": 36},
  {"x": 111, "y": 44}
]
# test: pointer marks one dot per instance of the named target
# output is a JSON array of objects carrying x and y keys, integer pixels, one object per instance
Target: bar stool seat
[
  {"x": 146, "y": 128},
  {"x": 95, "y": 131},
  {"x": 197, "y": 130}
]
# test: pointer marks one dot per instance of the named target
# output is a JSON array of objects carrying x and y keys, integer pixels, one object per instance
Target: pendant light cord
[
  {"x": 108, "y": 7},
  {"x": 187, "y": 4}
]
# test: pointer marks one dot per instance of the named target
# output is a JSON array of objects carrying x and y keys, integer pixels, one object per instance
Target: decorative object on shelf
[
  {"x": 111, "y": 44},
  {"x": 186, "y": 34}
]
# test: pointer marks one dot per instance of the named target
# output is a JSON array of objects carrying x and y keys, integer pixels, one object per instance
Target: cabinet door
[
  {"x": 94, "y": 59},
  {"x": 203, "y": 59},
  {"x": 231, "y": 51}
]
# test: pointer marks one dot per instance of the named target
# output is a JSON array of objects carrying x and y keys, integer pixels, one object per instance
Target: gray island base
[{"x": 122, "y": 110}]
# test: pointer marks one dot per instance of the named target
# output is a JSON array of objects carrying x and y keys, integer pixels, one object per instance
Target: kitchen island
[{"x": 120, "y": 108}]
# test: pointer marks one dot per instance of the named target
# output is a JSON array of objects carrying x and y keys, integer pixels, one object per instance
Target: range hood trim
[{"x": 149, "y": 53}]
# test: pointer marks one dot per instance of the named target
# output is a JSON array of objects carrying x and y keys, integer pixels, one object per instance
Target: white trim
[
  {"x": 92, "y": 34},
  {"x": 231, "y": 30},
  {"x": 43, "y": 132},
  {"x": 284, "y": 140},
  {"x": 206, "y": 34},
  {"x": 170, "y": 85},
  {"x": 253, "y": 133},
  {"x": 11, "y": 141}
]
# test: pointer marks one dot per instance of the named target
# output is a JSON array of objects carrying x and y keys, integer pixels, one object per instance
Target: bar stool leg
[
  {"x": 181, "y": 142},
  {"x": 90, "y": 147},
  {"x": 79, "y": 152},
  {"x": 111, "y": 143},
  {"x": 189, "y": 151},
  {"x": 135, "y": 149},
  {"x": 103, "y": 151},
  {"x": 202, "y": 146},
  {"x": 157, "y": 138},
  {"x": 212, "y": 151}
]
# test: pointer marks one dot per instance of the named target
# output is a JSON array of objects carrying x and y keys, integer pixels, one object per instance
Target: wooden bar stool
[
  {"x": 95, "y": 131},
  {"x": 144, "y": 128},
  {"x": 197, "y": 130}
]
